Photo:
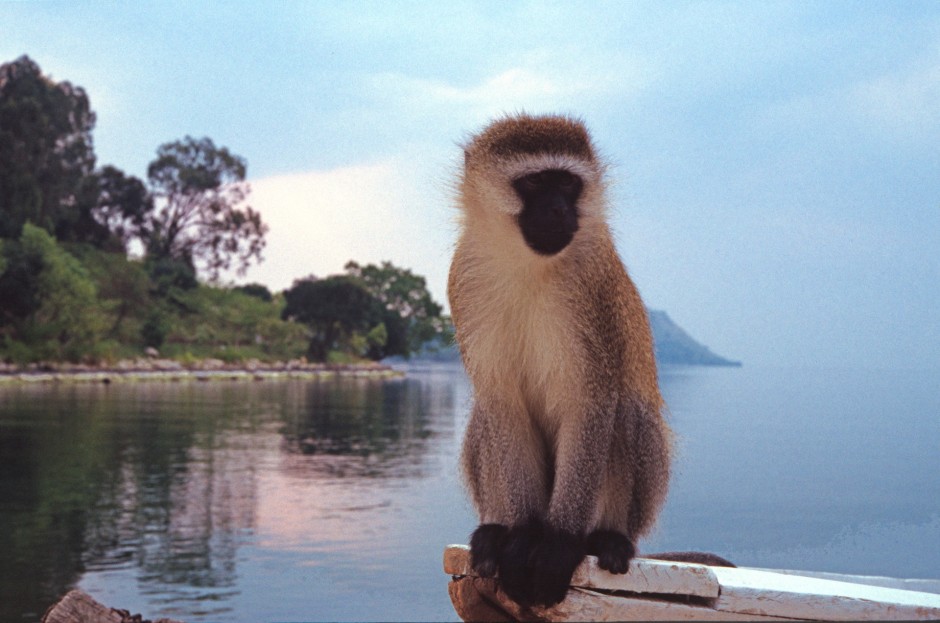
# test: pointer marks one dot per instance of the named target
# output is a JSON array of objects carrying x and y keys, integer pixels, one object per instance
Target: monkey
[{"x": 567, "y": 450}]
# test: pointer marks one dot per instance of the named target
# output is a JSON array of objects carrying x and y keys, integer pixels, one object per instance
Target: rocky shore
[{"x": 157, "y": 369}]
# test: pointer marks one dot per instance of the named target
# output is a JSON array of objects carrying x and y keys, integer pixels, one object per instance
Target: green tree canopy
[
  {"x": 337, "y": 310},
  {"x": 201, "y": 216},
  {"x": 46, "y": 151},
  {"x": 120, "y": 211},
  {"x": 62, "y": 318},
  {"x": 412, "y": 317},
  {"x": 124, "y": 288},
  {"x": 19, "y": 284},
  {"x": 257, "y": 290}
]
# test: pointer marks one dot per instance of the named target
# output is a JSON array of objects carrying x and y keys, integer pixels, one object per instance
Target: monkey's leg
[
  {"x": 503, "y": 460},
  {"x": 581, "y": 457}
]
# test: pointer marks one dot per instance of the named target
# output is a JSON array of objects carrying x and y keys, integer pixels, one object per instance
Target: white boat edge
[{"x": 702, "y": 592}]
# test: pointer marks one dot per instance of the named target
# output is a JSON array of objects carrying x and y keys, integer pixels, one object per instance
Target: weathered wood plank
[
  {"x": 776, "y": 594},
  {"x": 478, "y": 599},
  {"x": 586, "y": 605},
  {"x": 644, "y": 576}
]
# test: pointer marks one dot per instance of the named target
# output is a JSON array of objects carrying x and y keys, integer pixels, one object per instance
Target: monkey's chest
[{"x": 524, "y": 349}]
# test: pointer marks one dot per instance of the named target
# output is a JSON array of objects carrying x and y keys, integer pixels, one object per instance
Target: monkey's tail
[{"x": 700, "y": 558}]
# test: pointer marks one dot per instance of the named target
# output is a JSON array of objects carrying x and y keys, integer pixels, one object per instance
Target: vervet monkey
[{"x": 566, "y": 452}]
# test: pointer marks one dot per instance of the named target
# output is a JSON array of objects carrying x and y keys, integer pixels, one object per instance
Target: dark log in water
[{"x": 78, "y": 607}]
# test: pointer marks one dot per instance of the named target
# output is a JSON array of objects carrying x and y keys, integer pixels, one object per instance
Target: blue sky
[{"x": 776, "y": 166}]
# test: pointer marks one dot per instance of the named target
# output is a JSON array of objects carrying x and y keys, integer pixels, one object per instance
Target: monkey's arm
[{"x": 584, "y": 448}]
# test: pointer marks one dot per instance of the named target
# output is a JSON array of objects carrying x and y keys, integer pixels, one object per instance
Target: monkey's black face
[{"x": 549, "y": 217}]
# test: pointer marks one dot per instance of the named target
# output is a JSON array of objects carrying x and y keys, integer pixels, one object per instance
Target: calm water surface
[{"x": 332, "y": 500}]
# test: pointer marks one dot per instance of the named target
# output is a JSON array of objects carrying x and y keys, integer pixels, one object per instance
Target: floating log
[
  {"x": 79, "y": 607},
  {"x": 655, "y": 590}
]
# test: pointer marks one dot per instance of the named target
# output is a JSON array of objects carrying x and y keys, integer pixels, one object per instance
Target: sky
[{"x": 775, "y": 166}]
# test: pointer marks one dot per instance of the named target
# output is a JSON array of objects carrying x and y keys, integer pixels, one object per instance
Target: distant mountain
[{"x": 673, "y": 346}]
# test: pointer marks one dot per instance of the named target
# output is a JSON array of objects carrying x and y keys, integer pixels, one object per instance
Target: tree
[
  {"x": 201, "y": 217},
  {"x": 123, "y": 285},
  {"x": 120, "y": 210},
  {"x": 19, "y": 284},
  {"x": 62, "y": 319},
  {"x": 257, "y": 290},
  {"x": 412, "y": 318},
  {"x": 46, "y": 151},
  {"x": 337, "y": 310}
]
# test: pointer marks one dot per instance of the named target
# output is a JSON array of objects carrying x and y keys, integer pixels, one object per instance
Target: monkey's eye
[
  {"x": 565, "y": 179},
  {"x": 533, "y": 180}
]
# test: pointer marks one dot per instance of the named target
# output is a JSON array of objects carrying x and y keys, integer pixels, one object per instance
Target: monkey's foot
[
  {"x": 553, "y": 562},
  {"x": 537, "y": 562},
  {"x": 613, "y": 550},
  {"x": 515, "y": 569},
  {"x": 486, "y": 544}
]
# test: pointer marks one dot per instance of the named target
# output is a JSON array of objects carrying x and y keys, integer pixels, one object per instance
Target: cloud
[
  {"x": 319, "y": 220},
  {"x": 541, "y": 80},
  {"x": 903, "y": 104},
  {"x": 513, "y": 84},
  {"x": 511, "y": 89}
]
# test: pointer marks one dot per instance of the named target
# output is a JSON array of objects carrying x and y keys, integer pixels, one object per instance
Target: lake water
[{"x": 333, "y": 499}]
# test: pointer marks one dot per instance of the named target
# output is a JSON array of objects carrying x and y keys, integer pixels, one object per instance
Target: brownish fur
[
  {"x": 532, "y": 135},
  {"x": 567, "y": 424}
]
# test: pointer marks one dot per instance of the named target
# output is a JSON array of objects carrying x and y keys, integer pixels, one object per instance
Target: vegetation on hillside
[{"x": 70, "y": 291}]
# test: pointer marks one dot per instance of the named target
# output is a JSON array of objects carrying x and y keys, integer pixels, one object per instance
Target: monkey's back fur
[{"x": 567, "y": 422}]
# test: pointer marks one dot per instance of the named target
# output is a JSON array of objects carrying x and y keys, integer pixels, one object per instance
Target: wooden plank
[
  {"x": 475, "y": 599},
  {"x": 478, "y": 599},
  {"x": 775, "y": 594},
  {"x": 644, "y": 576},
  {"x": 586, "y": 605}
]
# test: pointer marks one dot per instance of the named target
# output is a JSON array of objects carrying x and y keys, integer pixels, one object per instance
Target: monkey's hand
[
  {"x": 613, "y": 550},
  {"x": 486, "y": 544}
]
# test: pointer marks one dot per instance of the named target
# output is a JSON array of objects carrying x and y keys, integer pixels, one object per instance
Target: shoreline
[{"x": 147, "y": 370}]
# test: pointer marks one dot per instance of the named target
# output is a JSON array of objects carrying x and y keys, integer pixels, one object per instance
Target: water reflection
[
  {"x": 359, "y": 429},
  {"x": 169, "y": 481}
]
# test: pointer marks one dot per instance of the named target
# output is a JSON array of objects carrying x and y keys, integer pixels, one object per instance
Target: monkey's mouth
[{"x": 548, "y": 241}]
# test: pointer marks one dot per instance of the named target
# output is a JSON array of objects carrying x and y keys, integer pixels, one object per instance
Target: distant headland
[
  {"x": 673, "y": 347},
  {"x": 676, "y": 347}
]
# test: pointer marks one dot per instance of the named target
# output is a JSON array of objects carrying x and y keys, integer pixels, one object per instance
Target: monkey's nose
[{"x": 558, "y": 208}]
